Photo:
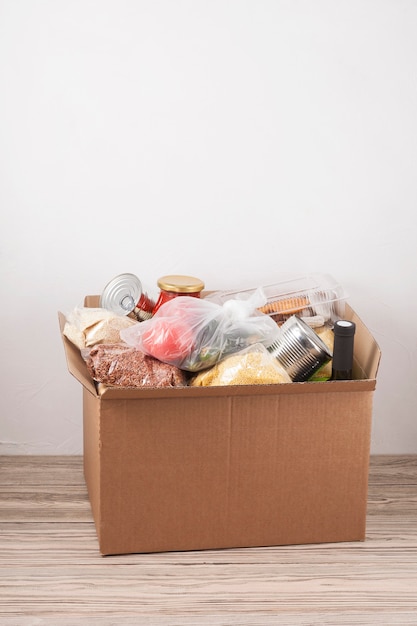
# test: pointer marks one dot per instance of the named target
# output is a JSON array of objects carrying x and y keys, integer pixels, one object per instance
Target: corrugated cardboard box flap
[
  {"x": 75, "y": 363},
  {"x": 367, "y": 351}
]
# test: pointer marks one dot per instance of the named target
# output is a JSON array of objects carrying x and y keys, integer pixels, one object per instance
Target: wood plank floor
[{"x": 51, "y": 571}]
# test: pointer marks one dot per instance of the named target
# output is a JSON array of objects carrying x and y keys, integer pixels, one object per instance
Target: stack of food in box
[{"x": 278, "y": 333}]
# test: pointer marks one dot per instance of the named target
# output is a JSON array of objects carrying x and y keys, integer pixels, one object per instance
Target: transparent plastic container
[{"x": 317, "y": 298}]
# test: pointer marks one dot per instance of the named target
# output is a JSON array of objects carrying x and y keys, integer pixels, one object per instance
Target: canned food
[
  {"x": 299, "y": 349},
  {"x": 125, "y": 294},
  {"x": 175, "y": 285}
]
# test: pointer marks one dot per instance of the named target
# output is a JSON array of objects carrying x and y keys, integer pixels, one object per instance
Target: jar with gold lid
[{"x": 176, "y": 285}]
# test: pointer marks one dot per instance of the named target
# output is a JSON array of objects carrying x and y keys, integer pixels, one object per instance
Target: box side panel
[
  {"x": 165, "y": 466},
  {"x": 91, "y": 460},
  {"x": 299, "y": 474},
  {"x": 230, "y": 472}
]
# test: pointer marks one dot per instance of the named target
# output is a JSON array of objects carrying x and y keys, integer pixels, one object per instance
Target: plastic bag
[
  {"x": 119, "y": 365},
  {"x": 86, "y": 327},
  {"x": 194, "y": 334},
  {"x": 251, "y": 366}
]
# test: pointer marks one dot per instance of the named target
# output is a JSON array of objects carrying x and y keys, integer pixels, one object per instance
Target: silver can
[
  {"x": 299, "y": 349},
  {"x": 125, "y": 294}
]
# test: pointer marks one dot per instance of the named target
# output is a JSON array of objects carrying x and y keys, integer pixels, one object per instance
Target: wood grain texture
[{"x": 51, "y": 572}]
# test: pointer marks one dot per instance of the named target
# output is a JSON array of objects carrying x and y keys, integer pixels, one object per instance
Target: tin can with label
[
  {"x": 125, "y": 294},
  {"x": 176, "y": 285}
]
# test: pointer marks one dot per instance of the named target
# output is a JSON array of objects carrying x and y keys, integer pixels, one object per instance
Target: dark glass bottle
[{"x": 342, "y": 364}]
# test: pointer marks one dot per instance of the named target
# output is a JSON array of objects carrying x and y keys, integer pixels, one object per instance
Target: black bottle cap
[{"x": 344, "y": 328}]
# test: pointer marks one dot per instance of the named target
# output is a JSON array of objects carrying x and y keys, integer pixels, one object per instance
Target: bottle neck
[{"x": 341, "y": 374}]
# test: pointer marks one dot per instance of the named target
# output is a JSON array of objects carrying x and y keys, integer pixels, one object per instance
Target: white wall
[{"x": 230, "y": 139}]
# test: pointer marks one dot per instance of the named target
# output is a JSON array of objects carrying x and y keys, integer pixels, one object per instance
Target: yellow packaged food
[{"x": 251, "y": 366}]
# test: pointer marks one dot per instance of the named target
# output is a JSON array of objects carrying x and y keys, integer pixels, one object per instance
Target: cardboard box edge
[{"x": 75, "y": 363}]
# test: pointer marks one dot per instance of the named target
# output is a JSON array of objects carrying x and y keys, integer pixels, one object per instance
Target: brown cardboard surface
[
  {"x": 75, "y": 363},
  {"x": 199, "y": 468},
  {"x": 231, "y": 473}
]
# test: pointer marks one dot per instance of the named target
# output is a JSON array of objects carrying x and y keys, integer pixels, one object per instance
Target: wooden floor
[{"x": 51, "y": 571}]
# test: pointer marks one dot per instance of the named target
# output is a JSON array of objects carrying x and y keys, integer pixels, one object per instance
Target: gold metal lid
[{"x": 180, "y": 284}]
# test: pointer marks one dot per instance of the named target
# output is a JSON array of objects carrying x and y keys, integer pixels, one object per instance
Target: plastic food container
[{"x": 317, "y": 298}]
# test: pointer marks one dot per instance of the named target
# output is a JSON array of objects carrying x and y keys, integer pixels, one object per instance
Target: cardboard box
[{"x": 239, "y": 466}]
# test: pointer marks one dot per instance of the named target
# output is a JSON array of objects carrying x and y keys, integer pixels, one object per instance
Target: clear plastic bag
[
  {"x": 86, "y": 327},
  {"x": 194, "y": 334},
  {"x": 119, "y": 365}
]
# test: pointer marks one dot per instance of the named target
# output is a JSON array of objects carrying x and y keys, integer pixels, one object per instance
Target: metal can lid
[
  {"x": 180, "y": 284},
  {"x": 121, "y": 294}
]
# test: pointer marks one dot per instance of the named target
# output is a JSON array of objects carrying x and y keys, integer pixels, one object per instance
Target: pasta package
[{"x": 252, "y": 366}]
